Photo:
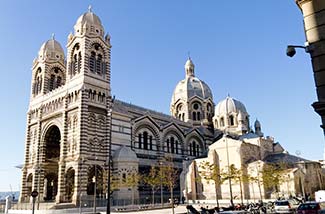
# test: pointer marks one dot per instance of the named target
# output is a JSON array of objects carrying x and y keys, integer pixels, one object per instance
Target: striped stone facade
[{"x": 73, "y": 122}]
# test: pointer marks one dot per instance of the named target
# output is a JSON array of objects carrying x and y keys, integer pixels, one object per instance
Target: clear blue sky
[{"x": 238, "y": 47}]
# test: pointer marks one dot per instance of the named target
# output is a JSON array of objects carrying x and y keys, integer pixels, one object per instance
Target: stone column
[{"x": 314, "y": 22}]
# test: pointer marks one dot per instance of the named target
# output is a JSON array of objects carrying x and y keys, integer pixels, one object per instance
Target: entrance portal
[{"x": 51, "y": 166}]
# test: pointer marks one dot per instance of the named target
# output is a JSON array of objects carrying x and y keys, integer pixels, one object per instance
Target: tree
[
  {"x": 153, "y": 180},
  {"x": 273, "y": 175},
  {"x": 131, "y": 180},
  {"x": 229, "y": 174},
  {"x": 169, "y": 175},
  {"x": 211, "y": 172}
]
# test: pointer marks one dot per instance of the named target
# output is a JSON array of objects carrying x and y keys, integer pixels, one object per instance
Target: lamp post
[
  {"x": 229, "y": 177},
  {"x": 38, "y": 171},
  {"x": 110, "y": 117},
  {"x": 82, "y": 161},
  {"x": 95, "y": 186},
  {"x": 161, "y": 186}
]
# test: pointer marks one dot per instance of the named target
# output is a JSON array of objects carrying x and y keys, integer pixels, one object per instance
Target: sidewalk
[{"x": 181, "y": 209}]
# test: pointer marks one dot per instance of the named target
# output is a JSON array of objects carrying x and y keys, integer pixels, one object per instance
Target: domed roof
[
  {"x": 125, "y": 154},
  {"x": 191, "y": 86},
  {"x": 230, "y": 105},
  {"x": 90, "y": 19},
  {"x": 51, "y": 49}
]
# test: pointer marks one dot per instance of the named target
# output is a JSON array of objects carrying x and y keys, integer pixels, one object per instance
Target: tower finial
[
  {"x": 90, "y": 9},
  {"x": 53, "y": 36},
  {"x": 189, "y": 54}
]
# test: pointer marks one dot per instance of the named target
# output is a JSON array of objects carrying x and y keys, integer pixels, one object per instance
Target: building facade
[{"x": 75, "y": 129}]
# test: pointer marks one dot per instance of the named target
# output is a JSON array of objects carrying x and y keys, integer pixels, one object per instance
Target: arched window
[
  {"x": 168, "y": 145},
  {"x": 222, "y": 122},
  {"x": 176, "y": 146},
  {"x": 92, "y": 61},
  {"x": 51, "y": 84},
  {"x": 139, "y": 140},
  {"x": 150, "y": 142},
  {"x": 172, "y": 141},
  {"x": 99, "y": 64},
  {"x": 79, "y": 63},
  {"x": 37, "y": 86},
  {"x": 56, "y": 79},
  {"x": 194, "y": 149},
  {"x": 231, "y": 120},
  {"x": 145, "y": 140},
  {"x": 96, "y": 62},
  {"x": 194, "y": 116},
  {"x": 76, "y": 60}
]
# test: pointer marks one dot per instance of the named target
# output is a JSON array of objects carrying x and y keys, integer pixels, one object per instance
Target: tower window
[
  {"x": 139, "y": 139},
  {"x": 92, "y": 62},
  {"x": 231, "y": 119},
  {"x": 222, "y": 122},
  {"x": 52, "y": 79},
  {"x": 150, "y": 142},
  {"x": 194, "y": 116},
  {"x": 145, "y": 140}
]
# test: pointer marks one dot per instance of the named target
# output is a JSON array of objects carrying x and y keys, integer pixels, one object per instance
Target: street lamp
[
  {"x": 38, "y": 171},
  {"x": 82, "y": 161},
  {"x": 229, "y": 177},
  {"x": 291, "y": 49},
  {"x": 95, "y": 184},
  {"x": 161, "y": 186},
  {"x": 110, "y": 117}
]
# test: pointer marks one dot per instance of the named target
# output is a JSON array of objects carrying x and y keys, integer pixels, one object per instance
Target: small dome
[
  {"x": 51, "y": 50},
  {"x": 230, "y": 105},
  {"x": 189, "y": 64},
  {"x": 125, "y": 154},
  {"x": 89, "y": 22},
  {"x": 257, "y": 124}
]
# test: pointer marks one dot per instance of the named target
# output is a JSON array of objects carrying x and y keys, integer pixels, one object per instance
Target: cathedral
[{"x": 76, "y": 130}]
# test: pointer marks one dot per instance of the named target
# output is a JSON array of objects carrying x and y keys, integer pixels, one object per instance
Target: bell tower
[{"x": 48, "y": 71}]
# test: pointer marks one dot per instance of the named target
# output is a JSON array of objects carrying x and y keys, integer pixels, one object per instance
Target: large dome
[
  {"x": 190, "y": 87},
  {"x": 52, "y": 50},
  {"x": 229, "y": 105}
]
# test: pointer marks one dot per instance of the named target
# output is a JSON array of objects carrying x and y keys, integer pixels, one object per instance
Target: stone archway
[
  {"x": 69, "y": 184},
  {"x": 51, "y": 162},
  {"x": 29, "y": 184}
]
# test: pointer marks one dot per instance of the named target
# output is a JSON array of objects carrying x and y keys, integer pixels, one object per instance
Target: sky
[{"x": 238, "y": 48}]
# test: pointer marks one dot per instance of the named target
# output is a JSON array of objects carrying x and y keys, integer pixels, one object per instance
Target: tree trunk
[
  {"x": 241, "y": 192},
  {"x": 153, "y": 196},
  {"x": 217, "y": 196},
  {"x": 172, "y": 200}
]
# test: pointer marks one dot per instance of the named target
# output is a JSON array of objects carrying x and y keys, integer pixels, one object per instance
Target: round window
[{"x": 196, "y": 106}]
